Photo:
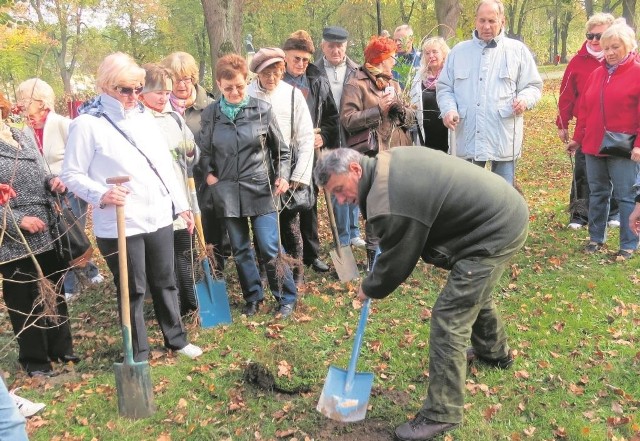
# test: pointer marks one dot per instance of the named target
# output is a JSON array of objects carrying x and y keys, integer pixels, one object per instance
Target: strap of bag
[
  {"x": 604, "y": 122},
  {"x": 131, "y": 141}
]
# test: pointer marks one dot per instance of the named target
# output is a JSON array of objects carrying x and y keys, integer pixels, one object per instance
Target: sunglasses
[
  {"x": 302, "y": 60},
  {"x": 128, "y": 91},
  {"x": 591, "y": 36}
]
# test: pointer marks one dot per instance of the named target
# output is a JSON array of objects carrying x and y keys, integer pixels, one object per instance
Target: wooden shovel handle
[
  {"x": 196, "y": 212},
  {"x": 332, "y": 222},
  {"x": 125, "y": 310}
]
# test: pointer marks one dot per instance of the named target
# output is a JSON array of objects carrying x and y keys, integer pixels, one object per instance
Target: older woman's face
[
  {"x": 127, "y": 93},
  {"x": 156, "y": 100},
  {"x": 387, "y": 64},
  {"x": 270, "y": 77},
  {"x": 183, "y": 87},
  {"x": 596, "y": 33},
  {"x": 614, "y": 50},
  {"x": 434, "y": 56},
  {"x": 234, "y": 89},
  {"x": 34, "y": 112},
  {"x": 297, "y": 61}
]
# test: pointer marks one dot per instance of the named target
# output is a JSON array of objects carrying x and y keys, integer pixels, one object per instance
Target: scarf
[
  {"x": 429, "y": 83},
  {"x": 232, "y": 110},
  {"x": 380, "y": 79},
  {"x": 597, "y": 55},
  {"x": 178, "y": 104},
  {"x": 612, "y": 68}
]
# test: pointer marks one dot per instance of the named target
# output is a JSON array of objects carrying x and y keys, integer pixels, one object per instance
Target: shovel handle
[
  {"x": 357, "y": 343},
  {"x": 195, "y": 208},
  {"x": 332, "y": 222},
  {"x": 125, "y": 308}
]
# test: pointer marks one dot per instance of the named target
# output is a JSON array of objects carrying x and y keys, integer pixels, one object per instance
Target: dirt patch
[
  {"x": 366, "y": 430},
  {"x": 397, "y": 397}
]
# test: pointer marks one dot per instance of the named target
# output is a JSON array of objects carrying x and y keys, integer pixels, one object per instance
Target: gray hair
[
  {"x": 497, "y": 4},
  {"x": 623, "y": 32},
  {"x": 38, "y": 90},
  {"x": 334, "y": 162},
  {"x": 601, "y": 18},
  {"x": 405, "y": 27}
]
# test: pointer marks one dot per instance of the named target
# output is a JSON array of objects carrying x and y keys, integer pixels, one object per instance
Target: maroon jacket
[
  {"x": 621, "y": 93},
  {"x": 573, "y": 85}
]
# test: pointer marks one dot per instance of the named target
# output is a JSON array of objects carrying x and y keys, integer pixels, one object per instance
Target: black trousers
[
  {"x": 149, "y": 260},
  {"x": 185, "y": 255},
  {"x": 39, "y": 338}
]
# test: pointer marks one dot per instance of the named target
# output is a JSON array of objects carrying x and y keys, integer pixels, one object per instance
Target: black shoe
[
  {"x": 501, "y": 363},
  {"x": 285, "y": 311},
  {"x": 592, "y": 247},
  {"x": 421, "y": 428},
  {"x": 251, "y": 308},
  {"x": 68, "y": 359},
  {"x": 319, "y": 266},
  {"x": 41, "y": 373}
]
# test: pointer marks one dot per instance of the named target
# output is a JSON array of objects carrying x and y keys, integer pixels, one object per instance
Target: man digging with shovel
[{"x": 454, "y": 215}]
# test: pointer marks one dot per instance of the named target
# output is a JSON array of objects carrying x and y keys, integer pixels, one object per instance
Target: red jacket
[
  {"x": 573, "y": 84},
  {"x": 621, "y": 94}
]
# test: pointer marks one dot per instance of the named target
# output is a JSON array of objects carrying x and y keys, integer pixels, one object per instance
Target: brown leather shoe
[{"x": 422, "y": 428}]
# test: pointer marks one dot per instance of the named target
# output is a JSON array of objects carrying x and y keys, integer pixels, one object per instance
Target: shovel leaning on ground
[
  {"x": 345, "y": 395},
  {"x": 341, "y": 256},
  {"x": 213, "y": 301},
  {"x": 133, "y": 379}
]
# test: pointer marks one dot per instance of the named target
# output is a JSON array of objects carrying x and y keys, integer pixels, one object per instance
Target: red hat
[{"x": 379, "y": 49}]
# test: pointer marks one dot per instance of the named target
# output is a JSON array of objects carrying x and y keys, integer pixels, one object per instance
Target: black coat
[{"x": 246, "y": 155}]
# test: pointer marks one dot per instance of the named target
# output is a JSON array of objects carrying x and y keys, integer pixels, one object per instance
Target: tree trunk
[
  {"x": 629, "y": 12},
  {"x": 588, "y": 8},
  {"x": 223, "y": 19},
  {"x": 448, "y": 13}
]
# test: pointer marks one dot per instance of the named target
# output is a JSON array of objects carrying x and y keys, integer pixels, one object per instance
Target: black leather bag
[
  {"x": 617, "y": 144},
  {"x": 72, "y": 243},
  {"x": 363, "y": 142}
]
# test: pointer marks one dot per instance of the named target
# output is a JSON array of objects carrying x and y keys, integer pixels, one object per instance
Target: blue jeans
[
  {"x": 346, "y": 220},
  {"x": 265, "y": 231},
  {"x": 606, "y": 174},
  {"x": 506, "y": 169},
  {"x": 79, "y": 208},
  {"x": 12, "y": 424}
]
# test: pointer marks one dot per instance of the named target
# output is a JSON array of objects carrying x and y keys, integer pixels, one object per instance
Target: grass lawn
[{"x": 572, "y": 319}]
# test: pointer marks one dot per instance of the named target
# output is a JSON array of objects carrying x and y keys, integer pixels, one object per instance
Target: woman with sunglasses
[
  {"x": 247, "y": 167},
  {"x": 114, "y": 136},
  {"x": 611, "y": 103},
  {"x": 574, "y": 82}
]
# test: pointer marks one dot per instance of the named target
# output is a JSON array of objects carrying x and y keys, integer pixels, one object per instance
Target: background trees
[{"x": 63, "y": 41}]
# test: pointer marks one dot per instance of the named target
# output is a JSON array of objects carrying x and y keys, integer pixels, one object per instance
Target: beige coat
[
  {"x": 360, "y": 112},
  {"x": 55, "y": 133}
]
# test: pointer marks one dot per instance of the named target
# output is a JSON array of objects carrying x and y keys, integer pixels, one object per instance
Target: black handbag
[
  {"x": 615, "y": 143},
  {"x": 303, "y": 197},
  {"x": 72, "y": 243}
]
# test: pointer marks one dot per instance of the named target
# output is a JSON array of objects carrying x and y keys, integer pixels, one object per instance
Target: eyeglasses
[
  {"x": 591, "y": 36},
  {"x": 230, "y": 89},
  {"x": 128, "y": 91},
  {"x": 186, "y": 80},
  {"x": 270, "y": 74},
  {"x": 302, "y": 60}
]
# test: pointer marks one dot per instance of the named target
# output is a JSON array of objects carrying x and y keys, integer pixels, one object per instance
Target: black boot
[{"x": 371, "y": 258}]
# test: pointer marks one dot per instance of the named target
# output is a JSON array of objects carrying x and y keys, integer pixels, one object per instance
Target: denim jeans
[
  {"x": 79, "y": 208},
  {"x": 346, "y": 220},
  {"x": 265, "y": 231},
  {"x": 506, "y": 169},
  {"x": 607, "y": 174},
  {"x": 12, "y": 424}
]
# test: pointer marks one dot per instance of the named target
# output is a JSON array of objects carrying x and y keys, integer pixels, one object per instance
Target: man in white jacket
[{"x": 485, "y": 86}]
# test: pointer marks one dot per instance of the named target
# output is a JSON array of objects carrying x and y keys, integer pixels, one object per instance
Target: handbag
[
  {"x": 72, "y": 243},
  {"x": 365, "y": 141},
  {"x": 303, "y": 197},
  {"x": 615, "y": 143}
]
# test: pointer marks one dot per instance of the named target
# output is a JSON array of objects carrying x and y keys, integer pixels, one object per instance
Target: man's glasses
[
  {"x": 302, "y": 60},
  {"x": 128, "y": 91},
  {"x": 591, "y": 36}
]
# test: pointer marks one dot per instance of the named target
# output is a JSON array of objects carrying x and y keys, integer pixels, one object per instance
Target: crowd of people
[{"x": 461, "y": 109}]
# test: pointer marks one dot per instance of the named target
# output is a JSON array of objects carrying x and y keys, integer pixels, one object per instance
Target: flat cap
[
  {"x": 266, "y": 57},
  {"x": 335, "y": 34}
]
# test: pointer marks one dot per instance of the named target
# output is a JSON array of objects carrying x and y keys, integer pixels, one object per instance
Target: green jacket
[{"x": 426, "y": 204}]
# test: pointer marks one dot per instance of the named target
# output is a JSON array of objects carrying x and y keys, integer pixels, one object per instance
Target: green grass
[{"x": 572, "y": 319}]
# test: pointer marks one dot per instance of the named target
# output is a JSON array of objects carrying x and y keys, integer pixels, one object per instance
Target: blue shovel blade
[
  {"x": 213, "y": 303},
  {"x": 345, "y": 402}
]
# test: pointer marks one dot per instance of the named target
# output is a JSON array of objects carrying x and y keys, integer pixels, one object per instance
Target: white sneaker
[
  {"x": 97, "y": 279},
  {"x": 613, "y": 223},
  {"x": 574, "y": 226},
  {"x": 358, "y": 242},
  {"x": 191, "y": 351},
  {"x": 68, "y": 296},
  {"x": 26, "y": 407}
]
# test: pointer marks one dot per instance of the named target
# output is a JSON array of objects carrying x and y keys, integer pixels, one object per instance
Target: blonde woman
[{"x": 431, "y": 132}]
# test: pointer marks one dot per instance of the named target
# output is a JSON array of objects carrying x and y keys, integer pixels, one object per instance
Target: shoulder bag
[
  {"x": 615, "y": 143},
  {"x": 72, "y": 243}
]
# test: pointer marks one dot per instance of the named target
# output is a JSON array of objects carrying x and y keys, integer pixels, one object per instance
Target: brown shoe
[{"x": 421, "y": 428}]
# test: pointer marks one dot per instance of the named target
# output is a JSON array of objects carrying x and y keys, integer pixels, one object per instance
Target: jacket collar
[
  {"x": 366, "y": 181},
  {"x": 104, "y": 104},
  {"x": 493, "y": 43}
]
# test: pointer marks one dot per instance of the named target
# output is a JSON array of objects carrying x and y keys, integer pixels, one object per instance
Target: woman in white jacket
[
  {"x": 294, "y": 120},
  {"x": 49, "y": 131}
]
